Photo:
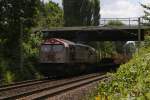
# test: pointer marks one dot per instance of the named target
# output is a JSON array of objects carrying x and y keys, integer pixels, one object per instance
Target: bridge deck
[{"x": 97, "y": 33}]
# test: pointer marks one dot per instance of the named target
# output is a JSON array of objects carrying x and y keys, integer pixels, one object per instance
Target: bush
[
  {"x": 132, "y": 80},
  {"x": 9, "y": 73},
  {"x": 6, "y": 75},
  {"x": 30, "y": 56}
]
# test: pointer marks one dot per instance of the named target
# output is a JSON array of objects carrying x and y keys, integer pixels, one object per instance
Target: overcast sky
[{"x": 119, "y": 8}]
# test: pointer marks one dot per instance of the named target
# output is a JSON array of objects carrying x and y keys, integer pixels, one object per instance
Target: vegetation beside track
[
  {"x": 13, "y": 46},
  {"x": 131, "y": 81}
]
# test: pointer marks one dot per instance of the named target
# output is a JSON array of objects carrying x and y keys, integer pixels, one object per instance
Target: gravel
[
  {"x": 32, "y": 87},
  {"x": 81, "y": 93}
]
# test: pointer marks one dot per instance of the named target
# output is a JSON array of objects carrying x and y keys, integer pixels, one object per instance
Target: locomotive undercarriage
[
  {"x": 62, "y": 69},
  {"x": 69, "y": 70}
]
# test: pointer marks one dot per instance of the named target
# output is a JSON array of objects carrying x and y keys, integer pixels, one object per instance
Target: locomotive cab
[
  {"x": 63, "y": 51},
  {"x": 52, "y": 52},
  {"x": 61, "y": 56}
]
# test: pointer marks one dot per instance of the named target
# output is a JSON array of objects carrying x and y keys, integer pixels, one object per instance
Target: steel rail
[
  {"x": 23, "y": 84},
  {"x": 64, "y": 88},
  {"x": 54, "y": 86}
]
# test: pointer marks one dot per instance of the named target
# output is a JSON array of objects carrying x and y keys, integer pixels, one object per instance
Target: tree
[
  {"x": 115, "y": 23},
  {"x": 147, "y": 14},
  {"x": 81, "y": 12},
  {"x": 96, "y": 14},
  {"x": 118, "y": 44},
  {"x": 51, "y": 15},
  {"x": 17, "y": 17},
  {"x": 146, "y": 17}
]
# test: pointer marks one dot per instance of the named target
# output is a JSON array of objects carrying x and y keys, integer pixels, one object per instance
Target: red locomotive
[
  {"x": 60, "y": 56},
  {"x": 63, "y": 51}
]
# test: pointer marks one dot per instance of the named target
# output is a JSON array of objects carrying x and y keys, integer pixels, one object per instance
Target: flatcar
[{"x": 63, "y": 56}]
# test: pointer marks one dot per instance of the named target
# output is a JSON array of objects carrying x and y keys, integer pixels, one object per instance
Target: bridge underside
[{"x": 96, "y": 33}]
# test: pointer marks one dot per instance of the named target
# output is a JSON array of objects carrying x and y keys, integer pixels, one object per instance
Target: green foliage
[
  {"x": 8, "y": 77},
  {"x": 13, "y": 15},
  {"x": 108, "y": 48},
  {"x": 147, "y": 14},
  {"x": 115, "y": 23},
  {"x": 31, "y": 46},
  {"x": 10, "y": 74},
  {"x": 5, "y": 73},
  {"x": 146, "y": 42},
  {"x": 51, "y": 15},
  {"x": 119, "y": 45},
  {"x": 96, "y": 14},
  {"x": 28, "y": 14},
  {"x": 81, "y": 12},
  {"x": 132, "y": 80},
  {"x": 104, "y": 49},
  {"x": 30, "y": 56}
]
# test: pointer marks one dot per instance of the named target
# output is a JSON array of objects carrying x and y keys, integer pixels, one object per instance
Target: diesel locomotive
[
  {"x": 63, "y": 51},
  {"x": 61, "y": 57}
]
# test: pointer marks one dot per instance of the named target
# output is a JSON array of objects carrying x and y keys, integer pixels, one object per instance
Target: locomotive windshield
[
  {"x": 46, "y": 48},
  {"x": 54, "y": 48},
  {"x": 58, "y": 48}
]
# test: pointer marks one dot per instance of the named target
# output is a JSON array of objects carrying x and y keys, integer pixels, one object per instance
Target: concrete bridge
[{"x": 130, "y": 30}]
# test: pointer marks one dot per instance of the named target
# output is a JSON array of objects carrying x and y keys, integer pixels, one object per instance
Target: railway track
[
  {"x": 17, "y": 84},
  {"x": 46, "y": 88}
]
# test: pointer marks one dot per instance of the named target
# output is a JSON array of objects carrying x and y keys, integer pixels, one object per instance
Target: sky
[{"x": 118, "y": 8}]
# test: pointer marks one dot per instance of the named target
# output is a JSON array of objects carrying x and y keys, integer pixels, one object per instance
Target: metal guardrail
[{"x": 133, "y": 21}]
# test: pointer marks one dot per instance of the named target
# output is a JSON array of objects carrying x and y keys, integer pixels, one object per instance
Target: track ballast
[{"x": 48, "y": 88}]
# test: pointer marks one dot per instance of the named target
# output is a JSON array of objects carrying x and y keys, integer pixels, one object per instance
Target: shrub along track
[{"x": 46, "y": 88}]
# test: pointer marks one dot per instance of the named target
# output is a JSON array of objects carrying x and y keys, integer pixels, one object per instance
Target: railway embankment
[{"x": 131, "y": 81}]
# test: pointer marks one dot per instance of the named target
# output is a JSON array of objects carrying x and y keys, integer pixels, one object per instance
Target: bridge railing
[
  {"x": 134, "y": 21},
  {"x": 144, "y": 21}
]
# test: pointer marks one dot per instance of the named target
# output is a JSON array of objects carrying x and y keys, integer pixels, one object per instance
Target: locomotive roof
[
  {"x": 66, "y": 43},
  {"x": 79, "y": 44},
  {"x": 58, "y": 41}
]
